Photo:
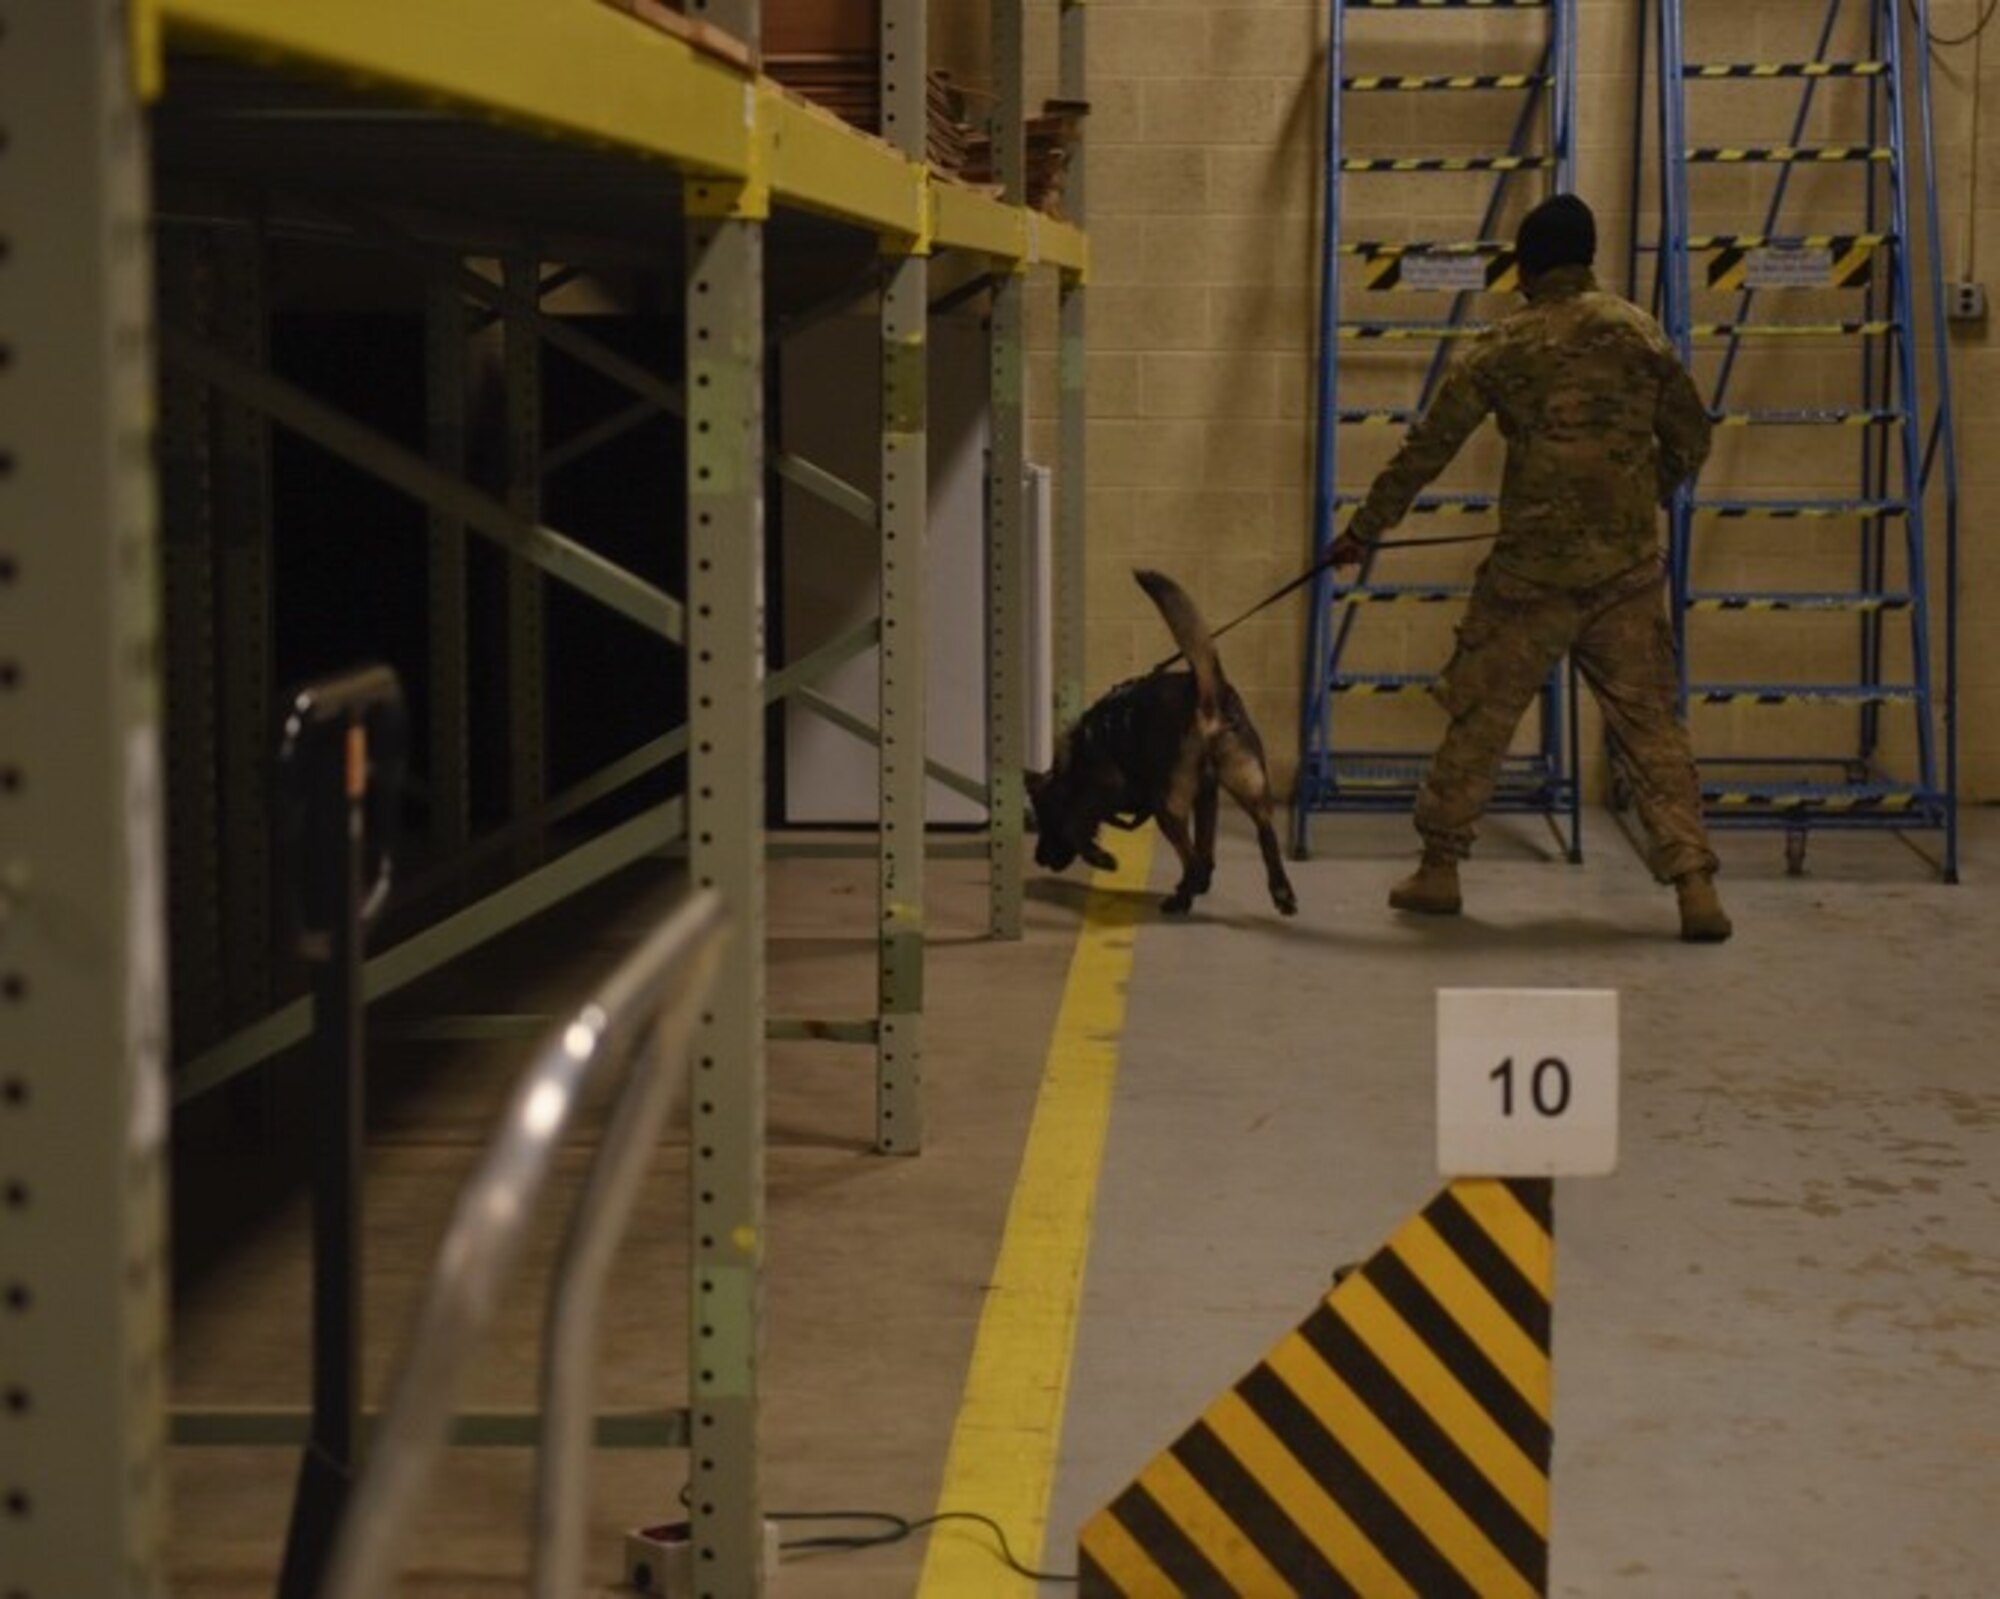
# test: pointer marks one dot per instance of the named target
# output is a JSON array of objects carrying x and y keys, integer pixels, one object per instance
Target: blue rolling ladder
[
  {"x": 1886, "y": 774},
  {"x": 1342, "y": 776}
]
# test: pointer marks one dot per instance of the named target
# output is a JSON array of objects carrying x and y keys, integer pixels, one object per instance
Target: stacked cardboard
[{"x": 1049, "y": 138}]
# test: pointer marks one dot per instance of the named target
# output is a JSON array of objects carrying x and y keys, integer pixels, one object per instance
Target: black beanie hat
[{"x": 1558, "y": 232}]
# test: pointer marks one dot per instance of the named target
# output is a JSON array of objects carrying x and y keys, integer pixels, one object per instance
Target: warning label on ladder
[{"x": 1782, "y": 268}]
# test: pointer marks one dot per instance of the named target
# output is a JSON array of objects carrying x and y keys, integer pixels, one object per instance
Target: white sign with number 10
[{"x": 1527, "y": 1082}]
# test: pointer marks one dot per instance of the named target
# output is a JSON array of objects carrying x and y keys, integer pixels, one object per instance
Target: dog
[{"x": 1159, "y": 747}]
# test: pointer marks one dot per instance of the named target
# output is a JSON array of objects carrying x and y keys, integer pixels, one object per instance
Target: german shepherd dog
[{"x": 1159, "y": 747}]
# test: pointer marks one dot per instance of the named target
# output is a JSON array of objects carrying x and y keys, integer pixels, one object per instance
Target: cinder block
[{"x": 1153, "y": 317}]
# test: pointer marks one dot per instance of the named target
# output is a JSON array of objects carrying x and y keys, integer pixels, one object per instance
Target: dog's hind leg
[
  {"x": 1206, "y": 803},
  {"x": 1174, "y": 824},
  {"x": 1249, "y": 785}
]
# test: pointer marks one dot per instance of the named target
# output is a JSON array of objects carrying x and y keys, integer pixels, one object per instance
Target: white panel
[{"x": 829, "y": 400}]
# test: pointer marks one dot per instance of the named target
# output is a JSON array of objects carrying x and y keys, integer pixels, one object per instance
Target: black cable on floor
[{"x": 897, "y": 1528}]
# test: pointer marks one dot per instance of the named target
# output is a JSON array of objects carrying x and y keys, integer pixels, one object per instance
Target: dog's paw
[
  {"x": 1178, "y": 903},
  {"x": 1102, "y": 859},
  {"x": 1287, "y": 903}
]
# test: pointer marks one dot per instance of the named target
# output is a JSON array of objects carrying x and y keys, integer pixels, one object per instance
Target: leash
[{"x": 1319, "y": 566}]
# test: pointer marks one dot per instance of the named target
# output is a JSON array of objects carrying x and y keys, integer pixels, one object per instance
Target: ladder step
[
  {"x": 1786, "y": 154},
  {"x": 1446, "y": 5},
  {"x": 1418, "y": 82},
  {"x": 1801, "y": 693},
  {"x": 1374, "y": 249},
  {"x": 1789, "y": 241},
  {"x": 1717, "y": 600},
  {"x": 1808, "y": 418},
  {"x": 1411, "y": 330},
  {"x": 1383, "y": 682},
  {"x": 1792, "y": 330},
  {"x": 1790, "y": 509},
  {"x": 1784, "y": 69},
  {"x": 1438, "y": 504},
  {"x": 1392, "y": 418},
  {"x": 1389, "y": 770},
  {"x": 1814, "y": 796},
  {"x": 1447, "y": 163},
  {"x": 1402, "y": 593}
]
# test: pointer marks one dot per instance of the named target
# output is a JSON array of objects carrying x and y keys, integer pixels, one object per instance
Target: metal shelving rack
[
  {"x": 1710, "y": 288},
  {"x": 1337, "y": 773},
  {"x": 571, "y": 119}
]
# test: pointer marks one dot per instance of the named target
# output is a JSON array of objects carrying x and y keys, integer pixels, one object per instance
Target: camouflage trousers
[{"x": 1513, "y": 634}]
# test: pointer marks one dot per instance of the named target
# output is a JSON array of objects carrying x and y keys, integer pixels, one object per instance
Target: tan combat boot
[
  {"x": 1703, "y": 920},
  {"x": 1431, "y": 890}
]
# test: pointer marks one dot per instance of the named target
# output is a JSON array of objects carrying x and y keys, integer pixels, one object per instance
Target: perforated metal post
[
  {"x": 903, "y": 510},
  {"x": 1072, "y": 414},
  {"x": 83, "y": 1104},
  {"x": 450, "y": 704},
  {"x": 1006, "y": 497},
  {"x": 187, "y": 558},
  {"x": 527, "y": 635},
  {"x": 243, "y": 625},
  {"x": 725, "y": 631}
]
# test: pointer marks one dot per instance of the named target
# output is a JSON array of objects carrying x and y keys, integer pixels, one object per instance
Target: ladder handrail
[
  {"x": 658, "y": 992},
  {"x": 1943, "y": 429}
]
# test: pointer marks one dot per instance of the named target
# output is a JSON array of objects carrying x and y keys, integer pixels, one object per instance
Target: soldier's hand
[{"x": 1347, "y": 551}]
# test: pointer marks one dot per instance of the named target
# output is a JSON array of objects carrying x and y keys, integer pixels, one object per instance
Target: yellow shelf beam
[
  {"x": 585, "y": 72},
  {"x": 577, "y": 70}
]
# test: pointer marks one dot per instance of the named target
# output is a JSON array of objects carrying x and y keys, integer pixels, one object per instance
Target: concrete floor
[{"x": 1777, "y": 1327}]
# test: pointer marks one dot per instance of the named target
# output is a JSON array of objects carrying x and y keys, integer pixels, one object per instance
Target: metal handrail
[{"x": 659, "y": 990}]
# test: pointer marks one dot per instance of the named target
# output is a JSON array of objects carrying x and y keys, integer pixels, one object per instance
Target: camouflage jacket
[{"x": 1602, "y": 423}]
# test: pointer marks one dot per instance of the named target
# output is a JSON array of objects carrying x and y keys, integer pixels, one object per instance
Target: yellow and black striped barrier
[
  {"x": 1409, "y": 82},
  {"x": 1386, "y": 270},
  {"x": 1397, "y": 1442},
  {"x": 1446, "y": 163},
  {"x": 1774, "y": 241},
  {"x": 1845, "y": 419},
  {"x": 1788, "y": 69},
  {"x": 1788, "y": 154},
  {"x": 1836, "y": 261}
]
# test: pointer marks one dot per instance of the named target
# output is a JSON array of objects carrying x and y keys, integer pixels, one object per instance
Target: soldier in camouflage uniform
[{"x": 1602, "y": 424}]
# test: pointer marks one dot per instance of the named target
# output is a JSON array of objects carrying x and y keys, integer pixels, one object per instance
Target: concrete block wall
[{"x": 1204, "y": 194}]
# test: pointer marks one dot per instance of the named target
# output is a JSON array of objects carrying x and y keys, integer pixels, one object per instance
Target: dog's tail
[{"x": 1190, "y": 633}]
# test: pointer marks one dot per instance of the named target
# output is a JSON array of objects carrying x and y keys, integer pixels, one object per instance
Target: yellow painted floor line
[{"x": 1004, "y": 1448}]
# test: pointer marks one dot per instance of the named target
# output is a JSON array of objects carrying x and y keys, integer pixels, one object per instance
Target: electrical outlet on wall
[{"x": 1965, "y": 302}]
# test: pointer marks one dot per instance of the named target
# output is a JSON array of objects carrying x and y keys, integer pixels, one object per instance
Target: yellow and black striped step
[
  {"x": 1788, "y": 241},
  {"x": 1837, "y": 799},
  {"x": 1421, "y": 82},
  {"x": 1792, "y": 330},
  {"x": 1785, "y": 69},
  {"x": 1398, "y": 1441},
  {"x": 1446, "y": 5},
  {"x": 1764, "y": 601},
  {"x": 1447, "y": 163},
  {"x": 1800, "y": 693},
  {"x": 1790, "y": 153},
  {"x": 1410, "y": 330},
  {"x": 1792, "y": 510},
  {"x": 1805, "y": 418},
  {"x": 1402, "y": 594}
]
